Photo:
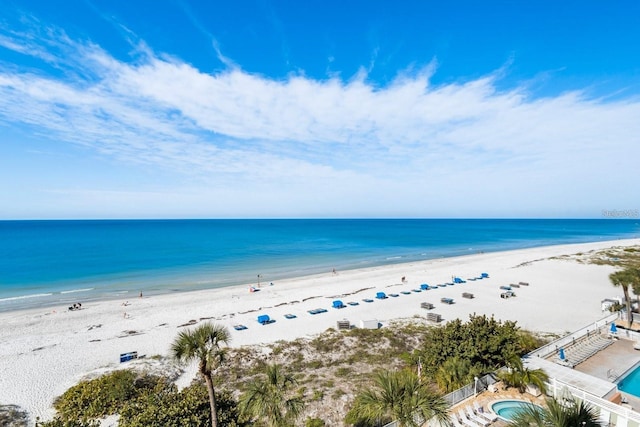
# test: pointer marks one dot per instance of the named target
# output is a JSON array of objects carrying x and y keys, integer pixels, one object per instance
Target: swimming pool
[
  {"x": 506, "y": 409},
  {"x": 630, "y": 382}
]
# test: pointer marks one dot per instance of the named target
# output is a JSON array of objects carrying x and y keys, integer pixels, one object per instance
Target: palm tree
[
  {"x": 622, "y": 279},
  {"x": 398, "y": 395},
  {"x": 203, "y": 344},
  {"x": 634, "y": 281},
  {"x": 520, "y": 377},
  {"x": 455, "y": 373},
  {"x": 569, "y": 414},
  {"x": 269, "y": 398}
]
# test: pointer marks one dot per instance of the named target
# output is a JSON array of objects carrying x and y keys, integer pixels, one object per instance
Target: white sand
[{"x": 45, "y": 351}]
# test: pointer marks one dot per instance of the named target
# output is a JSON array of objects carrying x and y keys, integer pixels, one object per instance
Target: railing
[
  {"x": 553, "y": 346},
  {"x": 469, "y": 390},
  {"x": 558, "y": 387}
]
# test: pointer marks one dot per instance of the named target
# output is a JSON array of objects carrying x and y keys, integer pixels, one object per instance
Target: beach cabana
[
  {"x": 338, "y": 304},
  {"x": 424, "y": 287},
  {"x": 484, "y": 275},
  {"x": 264, "y": 319},
  {"x": 561, "y": 354},
  {"x": 614, "y": 329},
  {"x": 381, "y": 295},
  {"x": 458, "y": 280}
]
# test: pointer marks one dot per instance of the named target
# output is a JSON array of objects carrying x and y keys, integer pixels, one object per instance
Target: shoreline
[{"x": 45, "y": 351}]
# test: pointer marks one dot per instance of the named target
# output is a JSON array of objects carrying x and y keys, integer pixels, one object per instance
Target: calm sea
[{"x": 44, "y": 263}]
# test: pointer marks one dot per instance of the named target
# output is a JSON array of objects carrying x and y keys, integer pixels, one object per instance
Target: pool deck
[
  {"x": 487, "y": 398},
  {"x": 612, "y": 363}
]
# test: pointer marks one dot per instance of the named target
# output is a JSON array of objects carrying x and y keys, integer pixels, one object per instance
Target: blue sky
[{"x": 203, "y": 109}]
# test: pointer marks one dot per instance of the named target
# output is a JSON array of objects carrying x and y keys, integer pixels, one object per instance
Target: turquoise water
[
  {"x": 630, "y": 383},
  {"x": 507, "y": 409},
  {"x": 49, "y": 262}
]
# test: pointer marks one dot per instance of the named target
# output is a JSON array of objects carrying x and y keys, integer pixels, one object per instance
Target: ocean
[{"x": 46, "y": 263}]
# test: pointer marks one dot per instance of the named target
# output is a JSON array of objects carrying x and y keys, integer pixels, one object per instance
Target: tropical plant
[
  {"x": 623, "y": 279},
  {"x": 568, "y": 414},
  {"x": 399, "y": 396},
  {"x": 270, "y": 398},
  {"x": 454, "y": 373},
  {"x": 202, "y": 344},
  {"x": 516, "y": 375},
  {"x": 634, "y": 281},
  {"x": 486, "y": 343}
]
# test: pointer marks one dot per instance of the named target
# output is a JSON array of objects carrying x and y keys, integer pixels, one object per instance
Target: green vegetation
[
  {"x": 141, "y": 400},
  {"x": 399, "y": 396},
  {"x": 13, "y": 416},
  {"x": 327, "y": 375},
  {"x": 516, "y": 375},
  {"x": 269, "y": 398},
  {"x": 629, "y": 277},
  {"x": 203, "y": 344},
  {"x": 452, "y": 355},
  {"x": 568, "y": 414}
]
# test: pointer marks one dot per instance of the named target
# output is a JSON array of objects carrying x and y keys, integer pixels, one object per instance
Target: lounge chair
[
  {"x": 239, "y": 327},
  {"x": 486, "y": 415},
  {"x": 353, "y": 303},
  {"x": 343, "y": 325},
  {"x": 317, "y": 311},
  {"x": 406, "y": 292},
  {"x": 446, "y": 300},
  {"x": 290, "y": 316},
  {"x": 466, "y": 421},
  {"x": 416, "y": 290},
  {"x": 367, "y": 300},
  {"x": 394, "y": 295},
  {"x": 455, "y": 421},
  {"x": 476, "y": 418},
  {"x": 505, "y": 288},
  {"x": 426, "y": 305}
]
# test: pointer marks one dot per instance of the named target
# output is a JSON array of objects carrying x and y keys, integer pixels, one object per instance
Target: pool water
[
  {"x": 630, "y": 383},
  {"x": 506, "y": 409}
]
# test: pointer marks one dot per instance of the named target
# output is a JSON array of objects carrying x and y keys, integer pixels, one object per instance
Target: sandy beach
[{"x": 45, "y": 351}]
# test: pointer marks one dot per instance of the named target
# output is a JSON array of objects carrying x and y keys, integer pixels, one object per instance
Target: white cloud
[{"x": 399, "y": 143}]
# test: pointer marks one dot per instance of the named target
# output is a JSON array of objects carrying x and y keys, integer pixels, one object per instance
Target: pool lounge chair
[
  {"x": 455, "y": 421},
  {"x": 486, "y": 415},
  {"x": 466, "y": 421},
  {"x": 476, "y": 418}
]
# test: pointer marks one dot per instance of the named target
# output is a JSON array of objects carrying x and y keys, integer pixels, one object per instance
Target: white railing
[
  {"x": 553, "y": 346},
  {"x": 558, "y": 387}
]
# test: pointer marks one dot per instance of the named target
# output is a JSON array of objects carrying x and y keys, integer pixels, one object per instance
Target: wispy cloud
[{"x": 158, "y": 110}]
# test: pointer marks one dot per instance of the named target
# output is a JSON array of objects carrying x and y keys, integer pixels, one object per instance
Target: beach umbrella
[
  {"x": 614, "y": 329},
  {"x": 561, "y": 354}
]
